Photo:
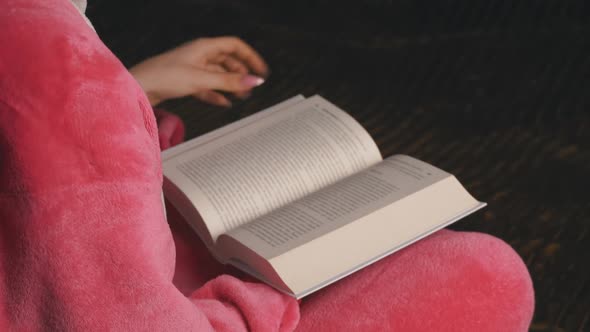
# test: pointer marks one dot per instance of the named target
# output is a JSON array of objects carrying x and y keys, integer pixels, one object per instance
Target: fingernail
[{"x": 250, "y": 81}]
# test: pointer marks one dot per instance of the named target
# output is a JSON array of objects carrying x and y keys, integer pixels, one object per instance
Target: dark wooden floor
[{"x": 496, "y": 92}]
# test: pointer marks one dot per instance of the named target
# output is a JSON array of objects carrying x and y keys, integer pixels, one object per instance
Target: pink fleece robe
[{"x": 84, "y": 242}]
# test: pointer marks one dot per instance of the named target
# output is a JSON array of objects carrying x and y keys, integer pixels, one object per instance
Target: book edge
[{"x": 360, "y": 266}]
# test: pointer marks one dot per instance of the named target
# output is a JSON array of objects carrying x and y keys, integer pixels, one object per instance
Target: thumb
[{"x": 228, "y": 82}]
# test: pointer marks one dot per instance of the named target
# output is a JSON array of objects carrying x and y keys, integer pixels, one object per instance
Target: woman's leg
[{"x": 450, "y": 281}]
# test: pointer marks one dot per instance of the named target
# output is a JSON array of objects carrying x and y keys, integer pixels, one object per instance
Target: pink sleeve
[
  {"x": 170, "y": 129},
  {"x": 84, "y": 243}
]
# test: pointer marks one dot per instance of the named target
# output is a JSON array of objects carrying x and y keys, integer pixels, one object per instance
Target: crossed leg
[{"x": 449, "y": 281}]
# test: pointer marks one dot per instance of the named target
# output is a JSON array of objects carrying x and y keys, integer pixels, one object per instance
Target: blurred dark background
[{"x": 495, "y": 92}]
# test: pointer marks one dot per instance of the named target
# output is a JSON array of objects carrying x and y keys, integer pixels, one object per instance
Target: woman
[{"x": 84, "y": 242}]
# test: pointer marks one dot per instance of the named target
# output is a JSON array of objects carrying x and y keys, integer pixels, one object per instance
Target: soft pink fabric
[
  {"x": 450, "y": 281},
  {"x": 84, "y": 244},
  {"x": 170, "y": 129}
]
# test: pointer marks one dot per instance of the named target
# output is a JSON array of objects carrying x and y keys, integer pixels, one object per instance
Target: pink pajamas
[
  {"x": 84, "y": 243},
  {"x": 450, "y": 281}
]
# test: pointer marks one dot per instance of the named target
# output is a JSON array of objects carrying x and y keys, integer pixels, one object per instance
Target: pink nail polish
[{"x": 250, "y": 81}]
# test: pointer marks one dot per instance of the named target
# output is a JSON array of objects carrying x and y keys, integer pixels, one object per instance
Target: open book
[{"x": 299, "y": 196}]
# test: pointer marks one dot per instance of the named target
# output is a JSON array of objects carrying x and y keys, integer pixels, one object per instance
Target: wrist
[
  {"x": 137, "y": 73},
  {"x": 153, "y": 98}
]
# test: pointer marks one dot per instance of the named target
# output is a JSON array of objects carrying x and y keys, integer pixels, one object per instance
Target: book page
[
  {"x": 179, "y": 199},
  {"x": 270, "y": 163},
  {"x": 374, "y": 236},
  {"x": 337, "y": 205},
  {"x": 217, "y": 133},
  {"x": 350, "y": 224}
]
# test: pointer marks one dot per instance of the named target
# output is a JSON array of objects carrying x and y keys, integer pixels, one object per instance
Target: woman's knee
[
  {"x": 485, "y": 276},
  {"x": 450, "y": 281}
]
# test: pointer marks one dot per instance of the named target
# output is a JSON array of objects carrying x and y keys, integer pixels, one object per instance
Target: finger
[
  {"x": 216, "y": 68},
  {"x": 240, "y": 50},
  {"x": 229, "y": 64},
  {"x": 213, "y": 98},
  {"x": 232, "y": 65},
  {"x": 229, "y": 82},
  {"x": 223, "y": 69}
]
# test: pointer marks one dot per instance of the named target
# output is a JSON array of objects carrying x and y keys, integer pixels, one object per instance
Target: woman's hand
[{"x": 201, "y": 68}]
